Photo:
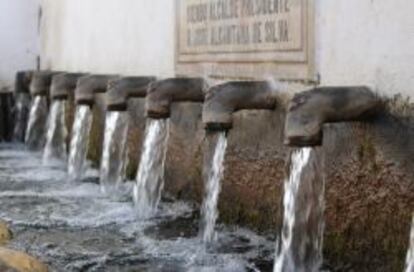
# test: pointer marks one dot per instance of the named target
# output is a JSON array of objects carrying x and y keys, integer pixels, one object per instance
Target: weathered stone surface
[
  {"x": 161, "y": 94},
  {"x": 245, "y": 39},
  {"x": 310, "y": 110},
  {"x": 254, "y": 170},
  {"x": 224, "y": 99},
  {"x": 20, "y": 262},
  {"x": 121, "y": 89},
  {"x": 5, "y": 233},
  {"x": 369, "y": 177},
  {"x": 136, "y": 134},
  {"x": 369, "y": 174},
  {"x": 184, "y": 159},
  {"x": 369, "y": 192},
  {"x": 97, "y": 130}
]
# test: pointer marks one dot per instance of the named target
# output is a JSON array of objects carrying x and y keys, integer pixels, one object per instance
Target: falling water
[
  {"x": 79, "y": 142},
  {"x": 55, "y": 147},
  {"x": 150, "y": 176},
  {"x": 409, "y": 267},
  {"x": 114, "y": 154},
  {"x": 36, "y": 126},
  {"x": 300, "y": 246},
  {"x": 22, "y": 109},
  {"x": 214, "y": 174}
]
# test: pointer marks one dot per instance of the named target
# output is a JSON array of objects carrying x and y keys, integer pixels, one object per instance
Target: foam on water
[{"x": 72, "y": 226}]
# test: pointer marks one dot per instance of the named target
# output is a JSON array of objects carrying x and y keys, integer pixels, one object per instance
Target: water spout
[
  {"x": 150, "y": 175},
  {"x": 213, "y": 175},
  {"x": 299, "y": 247},
  {"x": 309, "y": 110},
  {"x": 88, "y": 86},
  {"x": 224, "y": 99},
  {"x": 22, "y": 106},
  {"x": 120, "y": 90},
  {"x": 62, "y": 87},
  {"x": 36, "y": 127},
  {"x": 164, "y": 92},
  {"x": 114, "y": 155}
]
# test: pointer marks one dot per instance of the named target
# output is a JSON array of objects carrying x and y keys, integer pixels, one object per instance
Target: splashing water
[
  {"x": 150, "y": 176},
  {"x": 214, "y": 174},
  {"x": 79, "y": 142},
  {"x": 56, "y": 135},
  {"x": 409, "y": 267},
  {"x": 22, "y": 110},
  {"x": 114, "y": 154},
  {"x": 35, "y": 133},
  {"x": 300, "y": 246},
  {"x": 71, "y": 226}
]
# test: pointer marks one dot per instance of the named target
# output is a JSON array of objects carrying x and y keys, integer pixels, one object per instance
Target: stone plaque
[{"x": 246, "y": 38}]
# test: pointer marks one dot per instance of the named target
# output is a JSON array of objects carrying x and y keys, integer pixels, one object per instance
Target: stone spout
[
  {"x": 309, "y": 110},
  {"x": 40, "y": 83},
  {"x": 120, "y": 90},
  {"x": 22, "y": 83},
  {"x": 63, "y": 85},
  {"x": 222, "y": 100},
  {"x": 164, "y": 92},
  {"x": 88, "y": 86}
]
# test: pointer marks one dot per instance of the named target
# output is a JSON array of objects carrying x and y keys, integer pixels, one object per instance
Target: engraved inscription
[
  {"x": 246, "y": 38},
  {"x": 240, "y": 25}
]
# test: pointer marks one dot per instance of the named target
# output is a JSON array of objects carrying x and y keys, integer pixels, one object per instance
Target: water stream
[
  {"x": 213, "y": 174},
  {"x": 72, "y": 226},
  {"x": 114, "y": 154},
  {"x": 409, "y": 266},
  {"x": 299, "y": 249},
  {"x": 150, "y": 175},
  {"x": 36, "y": 126},
  {"x": 56, "y": 135},
  {"x": 79, "y": 142},
  {"x": 22, "y": 109}
]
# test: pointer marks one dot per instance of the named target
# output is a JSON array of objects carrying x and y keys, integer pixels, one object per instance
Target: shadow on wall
[{"x": 6, "y": 115}]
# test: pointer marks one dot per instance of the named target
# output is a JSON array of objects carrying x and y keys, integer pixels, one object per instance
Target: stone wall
[
  {"x": 370, "y": 190},
  {"x": 368, "y": 171},
  {"x": 368, "y": 168}
]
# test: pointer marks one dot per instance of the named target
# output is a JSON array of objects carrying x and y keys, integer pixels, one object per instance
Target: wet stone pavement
[{"x": 72, "y": 226}]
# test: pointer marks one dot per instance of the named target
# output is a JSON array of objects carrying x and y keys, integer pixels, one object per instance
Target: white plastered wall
[
  {"x": 129, "y": 37},
  {"x": 358, "y": 42},
  {"x": 19, "y": 38}
]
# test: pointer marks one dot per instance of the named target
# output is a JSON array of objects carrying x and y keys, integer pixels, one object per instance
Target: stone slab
[{"x": 246, "y": 38}]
